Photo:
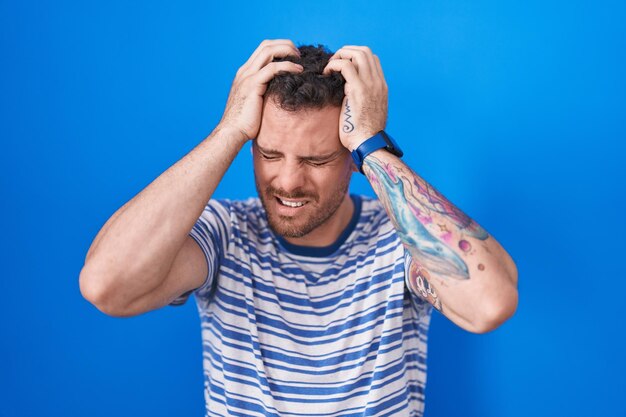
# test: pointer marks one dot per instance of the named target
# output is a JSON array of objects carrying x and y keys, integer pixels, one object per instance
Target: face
[{"x": 302, "y": 171}]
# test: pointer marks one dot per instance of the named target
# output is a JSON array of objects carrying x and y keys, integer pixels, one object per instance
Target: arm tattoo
[
  {"x": 434, "y": 202},
  {"x": 419, "y": 282},
  {"x": 414, "y": 207},
  {"x": 348, "y": 126}
]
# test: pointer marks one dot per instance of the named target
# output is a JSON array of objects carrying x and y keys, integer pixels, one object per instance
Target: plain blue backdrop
[{"x": 514, "y": 110}]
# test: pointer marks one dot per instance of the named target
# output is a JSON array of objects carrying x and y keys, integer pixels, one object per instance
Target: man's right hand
[{"x": 245, "y": 101}]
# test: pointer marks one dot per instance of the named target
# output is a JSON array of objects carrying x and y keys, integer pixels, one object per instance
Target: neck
[{"x": 327, "y": 233}]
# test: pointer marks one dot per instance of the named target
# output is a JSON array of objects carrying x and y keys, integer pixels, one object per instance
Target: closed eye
[
  {"x": 317, "y": 164},
  {"x": 267, "y": 157}
]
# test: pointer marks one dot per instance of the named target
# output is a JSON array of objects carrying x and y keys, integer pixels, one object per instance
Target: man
[{"x": 313, "y": 302}]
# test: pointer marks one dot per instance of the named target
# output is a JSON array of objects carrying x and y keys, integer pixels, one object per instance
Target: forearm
[
  {"x": 456, "y": 264},
  {"x": 134, "y": 250}
]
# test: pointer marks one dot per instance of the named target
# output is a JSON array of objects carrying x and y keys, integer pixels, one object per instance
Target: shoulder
[
  {"x": 235, "y": 207},
  {"x": 242, "y": 214},
  {"x": 373, "y": 213},
  {"x": 374, "y": 228},
  {"x": 248, "y": 209}
]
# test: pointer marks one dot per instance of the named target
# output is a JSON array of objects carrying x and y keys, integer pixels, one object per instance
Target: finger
[
  {"x": 371, "y": 59},
  {"x": 268, "y": 54},
  {"x": 269, "y": 42},
  {"x": 379, "y": 70},
  {"x": 366, "y": 54},
  {"x": 270, "y": 70},
  {"x": 347, "y": 69},
  {"x": 260, "y": 49},
  {"x": 359, "y": 59}
]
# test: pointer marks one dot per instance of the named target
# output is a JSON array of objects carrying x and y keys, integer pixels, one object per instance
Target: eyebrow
[{"x": 313, "y": 158}]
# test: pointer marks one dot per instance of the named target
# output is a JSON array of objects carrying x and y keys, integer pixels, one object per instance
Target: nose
[{"x": 290, "y": 177}]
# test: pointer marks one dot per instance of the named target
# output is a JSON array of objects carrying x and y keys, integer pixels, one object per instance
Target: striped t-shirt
[{"x": 297, "y": 331}]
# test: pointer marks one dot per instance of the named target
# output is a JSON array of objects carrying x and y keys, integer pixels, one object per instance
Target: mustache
[{"x": 269, "y": 190}]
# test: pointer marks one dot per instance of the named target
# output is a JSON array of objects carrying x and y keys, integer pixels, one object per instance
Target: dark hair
[{"x": 308, "y": 89}]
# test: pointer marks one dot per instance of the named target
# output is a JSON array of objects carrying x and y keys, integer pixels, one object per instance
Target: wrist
[
  {"x": 231, "y": 134},
  {"x": 357, "y": 141}
]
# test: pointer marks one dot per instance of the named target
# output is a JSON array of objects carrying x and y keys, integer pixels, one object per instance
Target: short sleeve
[{"x": 211, "y": 232}]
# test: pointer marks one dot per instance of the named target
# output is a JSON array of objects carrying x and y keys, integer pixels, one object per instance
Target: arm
[
  {"x": 146, "y": 241},
  {"x": 455, "y": 264}
]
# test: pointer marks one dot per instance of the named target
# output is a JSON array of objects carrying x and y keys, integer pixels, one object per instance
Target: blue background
[{"x": 514, "y": 110}]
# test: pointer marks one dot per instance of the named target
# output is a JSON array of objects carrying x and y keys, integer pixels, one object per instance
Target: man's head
[
  {"x": 308, "y": 89},
  {"x": 302, "y": 171}
]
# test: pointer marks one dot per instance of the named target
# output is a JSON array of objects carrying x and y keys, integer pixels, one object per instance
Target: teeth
[{"x": 292, "y": 203}]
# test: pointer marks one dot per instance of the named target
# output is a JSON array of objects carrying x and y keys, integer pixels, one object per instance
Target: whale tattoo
[{"x": 437, "y": 258}]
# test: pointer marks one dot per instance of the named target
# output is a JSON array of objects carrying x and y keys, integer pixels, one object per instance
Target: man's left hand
[{"x": 364, "y": 109}]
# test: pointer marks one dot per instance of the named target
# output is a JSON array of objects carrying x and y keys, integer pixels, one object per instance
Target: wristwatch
[{"x": 378, "y": 141}]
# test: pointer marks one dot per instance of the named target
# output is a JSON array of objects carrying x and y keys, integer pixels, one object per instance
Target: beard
[{"x": 314, "y": 214}]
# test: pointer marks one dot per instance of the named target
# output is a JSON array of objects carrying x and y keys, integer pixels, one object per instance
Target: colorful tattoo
[
  {"x": 419, "y": 283},
  {"x": 465, "y": 246},
  {"x": 432, "y": 201},
  {"x": 410, "y": 217}
]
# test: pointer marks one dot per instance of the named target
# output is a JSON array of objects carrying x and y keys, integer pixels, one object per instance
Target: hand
[
  {"x": 245, "y": 101},
  {"x": 364, "y": 109}
]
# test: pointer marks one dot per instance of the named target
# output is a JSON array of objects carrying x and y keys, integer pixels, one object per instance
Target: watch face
[{"x": 392, "y": 146}]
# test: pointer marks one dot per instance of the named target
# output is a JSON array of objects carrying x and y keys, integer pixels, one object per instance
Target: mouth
[{"x": 291, "y": 203}]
